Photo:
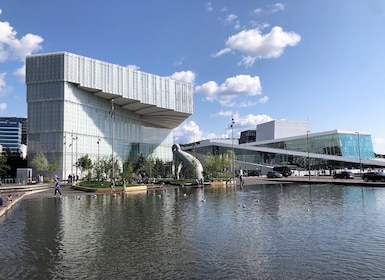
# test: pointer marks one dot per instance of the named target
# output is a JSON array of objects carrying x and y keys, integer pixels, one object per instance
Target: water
[{"x": 260, "y": 232}]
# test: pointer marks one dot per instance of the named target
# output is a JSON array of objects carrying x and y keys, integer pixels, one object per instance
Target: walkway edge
[{"x": 9, "y": 206}]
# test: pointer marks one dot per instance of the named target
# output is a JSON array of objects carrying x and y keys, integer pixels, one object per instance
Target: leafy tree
[
  {"x": 4, "y": 167},
  {"x": 159, "y": 170},
  {"x": 139, "y": 163},
  {"x": 84, "y": 163},
  {"x": 53, "y": 166},
  {"x": 40, "y": 162},
  {"x": 14, "y": 161},
  {"x": 127, "y": 169}
]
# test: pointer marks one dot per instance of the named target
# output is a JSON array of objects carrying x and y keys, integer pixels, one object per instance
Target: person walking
[{"x": 57, "y": 187}]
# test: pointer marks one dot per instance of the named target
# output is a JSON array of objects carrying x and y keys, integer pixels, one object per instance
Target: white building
[{"x": 71, "y": 100}]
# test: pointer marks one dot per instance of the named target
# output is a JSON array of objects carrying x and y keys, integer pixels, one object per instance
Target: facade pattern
[{"x": 70, "y": 99}]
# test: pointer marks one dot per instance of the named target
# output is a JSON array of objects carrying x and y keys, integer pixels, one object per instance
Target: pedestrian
[
  {"x": 57, "y": 187},
  {"x": 112, "y": 185}
]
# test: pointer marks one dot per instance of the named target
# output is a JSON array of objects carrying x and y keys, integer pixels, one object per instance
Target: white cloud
[
  {"x": 230, "y": 18},
  {"x": 240, "y": 85},
  {"x": 133, "y": 67},
  {"x": 187, "y": 132},
  {"x": 248, "y": 122},
  {"x": 271, "y": 9},
  {"x": 12, "y": 48},
  {"x": 3, "y": 107},
  {"x": 184, "y": 76},
  {"x": 379, "y": 145},
  {"x": 20, "y": 73},
  {"x": 276, "y": 8},
  {"x": 255, "y": 45},
  {"x": 209, "y": 7},
  {"x": 263, "y": 100},
  {"x": 4, "y": 89}
]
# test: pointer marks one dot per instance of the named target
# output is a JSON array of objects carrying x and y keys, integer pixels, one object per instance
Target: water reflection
[{"x": 258, "y": 232}]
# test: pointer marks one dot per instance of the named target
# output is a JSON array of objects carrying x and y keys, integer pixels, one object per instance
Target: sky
[{"x": 321, "y": 61}]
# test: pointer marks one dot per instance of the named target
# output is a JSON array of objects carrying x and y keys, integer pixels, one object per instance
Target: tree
[
  {"x": 84, "y": 163},
  {"x": 40, "y": 162},
  {"x": 139, "y": 163},
  {"x": 4, "y": 167},
  {"x": 127, "y": 169}
]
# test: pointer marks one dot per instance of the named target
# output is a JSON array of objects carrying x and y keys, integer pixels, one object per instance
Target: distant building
[
  {"x": 80, "y": 106},
  {"x": 11, "y": 135},
  {"x": 294, "y": 145},
  {"x": 23, "y": 122},
  {"x": 247, "y": 136}
]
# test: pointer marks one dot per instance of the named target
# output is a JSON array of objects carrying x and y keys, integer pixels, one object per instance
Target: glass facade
[
  {"x": 10, "y": 136},
  {"x": 70, "y": 100},
  {"x": 333, "y": 149}
]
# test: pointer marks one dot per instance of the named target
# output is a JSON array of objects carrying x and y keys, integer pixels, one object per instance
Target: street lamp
[
  {"x": 308, "y": 155},
  {"x": 232, "y": 146},
  {"x": 112, "y": 113},
  {"x": 98, "y": 142},
  {"x": 359, "y": 151},
  {"x": 64, "y": 158}
]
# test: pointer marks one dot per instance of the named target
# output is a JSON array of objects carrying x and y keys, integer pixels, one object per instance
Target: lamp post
[
  {"x": 64, "y": 158},
  {"x": 359, "y": 151},
  {"x": 308, "y": 155},
  {"x": 72, "y": 156},
  {"x": 112, "y": 113},
  {"x": 232, "y": 146},
  {"x": 98, "y": 142},
  {"x": 76, "y": 158}
]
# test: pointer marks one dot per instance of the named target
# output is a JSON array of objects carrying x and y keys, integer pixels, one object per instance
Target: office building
[
  {"x": 10, "y": 136},
  {"x": 81, "y": 106}
]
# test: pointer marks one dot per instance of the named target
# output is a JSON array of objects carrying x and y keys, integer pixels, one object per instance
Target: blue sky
[{"x": 321, "y": 61}]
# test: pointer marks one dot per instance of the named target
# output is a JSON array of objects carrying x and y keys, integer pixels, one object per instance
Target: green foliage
[
  {"x": 53, "y": 166},
  {"x": 139, "y": 164},
  {"x": 4, "y": 167},
  {"x": 84, "y": 163},
  {"x": 40, "y": 162},
  {"x": 127, "y": 169}
]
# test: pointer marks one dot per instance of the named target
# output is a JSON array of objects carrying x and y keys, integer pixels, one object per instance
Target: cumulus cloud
[
  {"x": 253, "y": 45},
  {"x": 248, "y": 122},
  {"x": 238, "y": 86},
  {"x": 12, "y": 48},
  {"x": 187, "y": 132},
  {"x": 379, "y": 145},
  {"x": 184, "y": 76}
]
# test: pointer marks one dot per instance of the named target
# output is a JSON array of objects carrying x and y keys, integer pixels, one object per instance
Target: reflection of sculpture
[{"x": 187, "y": 161}]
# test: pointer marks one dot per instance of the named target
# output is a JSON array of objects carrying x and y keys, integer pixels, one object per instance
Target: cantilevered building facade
[{"x": 78, "y": 106}]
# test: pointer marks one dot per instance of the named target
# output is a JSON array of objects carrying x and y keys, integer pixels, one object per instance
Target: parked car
[
  {"x": 374, "y": 176},
  {"x": 273, "y": 174},
  {"x": 284, "y": 170},
  {"x": 344, "y": 175}
]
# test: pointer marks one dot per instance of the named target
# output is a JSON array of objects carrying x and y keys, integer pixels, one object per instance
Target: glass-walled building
[
  {"x": 81, "y": 106},
  {"x": 11, "y": 136},
  {"x": 325, "y": 150}
]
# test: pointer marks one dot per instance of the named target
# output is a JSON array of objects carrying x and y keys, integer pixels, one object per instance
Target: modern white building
[{"x": 78, "y": 106}]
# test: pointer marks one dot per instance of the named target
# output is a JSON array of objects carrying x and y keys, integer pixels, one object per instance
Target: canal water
[{"x": 259, "y": 232}]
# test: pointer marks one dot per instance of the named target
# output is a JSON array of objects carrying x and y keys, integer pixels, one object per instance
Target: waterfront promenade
[{"x": 20, "y": 192}]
